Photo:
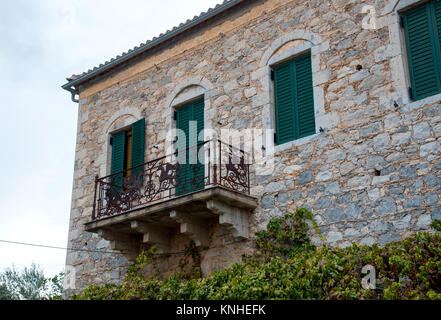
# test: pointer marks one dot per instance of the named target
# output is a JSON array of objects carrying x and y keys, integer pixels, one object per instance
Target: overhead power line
[
  {"x": 104, "y": 251},
  {"x": 59, "y": 248}
]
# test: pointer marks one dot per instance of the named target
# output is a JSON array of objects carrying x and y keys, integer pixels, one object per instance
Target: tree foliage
[{"x": 29, "y": 284}]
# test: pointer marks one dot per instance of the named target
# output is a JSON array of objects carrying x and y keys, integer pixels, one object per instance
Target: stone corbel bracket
[
  {"x": 235, "y": 219},
  {"x": 124, "y": 243},
  {"x": 194, "y": 228},
  {"x": 153, "y": 235}
]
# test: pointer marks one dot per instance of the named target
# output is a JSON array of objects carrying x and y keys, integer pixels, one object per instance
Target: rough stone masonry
[{"x": 372, "y": 174}]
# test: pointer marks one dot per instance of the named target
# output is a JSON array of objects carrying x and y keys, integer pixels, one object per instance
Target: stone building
[{"x": 346, "y": 97}]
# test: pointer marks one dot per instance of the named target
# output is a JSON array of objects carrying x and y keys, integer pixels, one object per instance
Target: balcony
[{"x": 180, "y": 193}]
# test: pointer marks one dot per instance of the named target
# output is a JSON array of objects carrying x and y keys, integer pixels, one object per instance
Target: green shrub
[
  {"x": 287, "y": 266},
  {"x": 436, "y": 225}
]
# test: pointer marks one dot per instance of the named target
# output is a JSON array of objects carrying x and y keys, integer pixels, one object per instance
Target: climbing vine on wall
[
  {"x": 285, "y": 237},
  {"x": 286, "y": 265}
]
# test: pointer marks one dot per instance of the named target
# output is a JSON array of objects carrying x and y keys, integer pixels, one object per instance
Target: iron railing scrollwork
[{"x": 218, "y": 164}]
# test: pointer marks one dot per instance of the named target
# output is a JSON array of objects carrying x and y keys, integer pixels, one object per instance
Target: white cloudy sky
[{"x": 41, "y": 43}]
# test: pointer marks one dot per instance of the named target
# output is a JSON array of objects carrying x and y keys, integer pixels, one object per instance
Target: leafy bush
[
  {"x": 436, "y": 225},
  {"x": 286, "y": 265},
  {"x": 29, "y": 284}
]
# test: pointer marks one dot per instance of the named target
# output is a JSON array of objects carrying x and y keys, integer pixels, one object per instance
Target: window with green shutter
[
  {"x": 422, "y": 29},
  {"x": 294, "y": 100},
  {"x": 128, "y": 152},
  {"x": 192, "y": 171}
]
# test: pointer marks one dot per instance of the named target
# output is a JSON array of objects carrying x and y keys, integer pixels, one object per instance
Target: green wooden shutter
[
  {"x": 189, "y": 172},
  {"x": 138, "y": 145},
  {"x": 437, "y": 12},
  {"x": 285, "y": 101},
  {"x": 423, "y": 51},
  {"x": 118, "y": 151},
  {"x": 198, "y": 169},
  {"x": 294, "y": 100},
  {"x": 198, "y": 115},
  {"x": 305, "y": 97},
  {"x": 182, "y": 123}
]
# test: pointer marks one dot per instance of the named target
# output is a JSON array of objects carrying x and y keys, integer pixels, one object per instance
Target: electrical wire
[
  {"x": 59, "y": 248},
  {"x": 107, "y": 252}
]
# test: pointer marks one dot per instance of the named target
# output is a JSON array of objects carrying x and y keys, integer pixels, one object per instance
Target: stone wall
[{"x": 372, "y": 175}]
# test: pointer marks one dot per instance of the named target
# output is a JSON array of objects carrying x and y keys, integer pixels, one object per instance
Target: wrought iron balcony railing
[{"x": 212, "y": 163}]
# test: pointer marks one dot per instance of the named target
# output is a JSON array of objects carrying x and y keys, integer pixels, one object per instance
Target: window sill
[
  {"x": 296, "y": 143},
  {"x": 411, "y": 106}
]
